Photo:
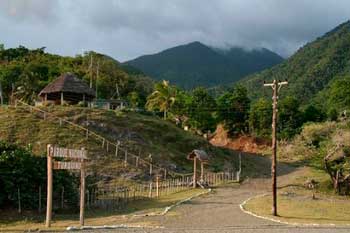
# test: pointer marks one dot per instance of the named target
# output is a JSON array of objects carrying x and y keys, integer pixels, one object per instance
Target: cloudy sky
[{"x": 125, "y": 29}]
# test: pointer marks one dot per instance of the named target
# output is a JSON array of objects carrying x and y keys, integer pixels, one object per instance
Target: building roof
[
  {"x": 201, "y": 155},
  {"x": 68, "y": 83}
]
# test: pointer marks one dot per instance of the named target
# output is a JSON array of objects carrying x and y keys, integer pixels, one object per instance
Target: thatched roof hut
[
  {"x": 201, "y": 155},
  {"x": 69, "y": 88}
]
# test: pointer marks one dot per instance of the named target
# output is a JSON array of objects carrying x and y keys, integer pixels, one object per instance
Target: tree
[
  {"x": 289, "y": 117},
  {"x": 332, "y": 114},
  {"x": 134, "y": 99},
  {"x": 313, "y": 114},
  {"x": 260, "y": 118},
  {"x": 339, "y": 93},
  {"x": 162, "y": 98},
  {"x": 20, "y": 169},
  {"x": 233, "y": 110},
  {"x": 201, "y": 108},
  {"x": 180, "y": 108}
]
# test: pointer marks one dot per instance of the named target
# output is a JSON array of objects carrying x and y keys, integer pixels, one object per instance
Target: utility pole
[
  {"x": 1, "y": 97},
  {"x": 97, "y": 74},
  {"x": 90, "y": 69},
  {"x": 276, "y": 86}
]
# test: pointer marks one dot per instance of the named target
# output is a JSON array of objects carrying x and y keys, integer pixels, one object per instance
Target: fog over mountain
[{"x": 128, "y": 29}]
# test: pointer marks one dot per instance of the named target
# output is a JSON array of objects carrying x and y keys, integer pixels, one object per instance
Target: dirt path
[{"x": 219, "y": 212}]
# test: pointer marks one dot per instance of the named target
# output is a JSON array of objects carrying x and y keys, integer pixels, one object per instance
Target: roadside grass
[
  {"x": 29, "y": 221},
  {"x": 296, "y": 205}
]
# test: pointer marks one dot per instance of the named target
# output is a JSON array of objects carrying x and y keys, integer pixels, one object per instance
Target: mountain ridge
[
  {"x": 311, "y": 69},
  {"x": 196, "y": 64}
]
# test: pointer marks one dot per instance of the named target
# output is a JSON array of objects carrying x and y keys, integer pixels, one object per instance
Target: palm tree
[{"x": 162, "y": 98}]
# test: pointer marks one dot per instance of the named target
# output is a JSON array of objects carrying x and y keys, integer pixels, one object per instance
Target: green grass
[
  {"x": 167, "y": 143},
  {"x": 297, "y": 206},
  {"x": 13, "y": 222}
]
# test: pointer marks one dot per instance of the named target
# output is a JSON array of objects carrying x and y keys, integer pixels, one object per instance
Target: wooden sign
[
  {"x": 59, "y": 152},
  {"x": 66, "y": 165},
  {"x": 54, "y": 152}
]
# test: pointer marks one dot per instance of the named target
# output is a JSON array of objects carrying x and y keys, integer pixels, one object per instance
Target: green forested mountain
[
  {"x": 196, "y": 64},
  {"x": 25, "y": 72},
  {"x": 312, "y": 71}
]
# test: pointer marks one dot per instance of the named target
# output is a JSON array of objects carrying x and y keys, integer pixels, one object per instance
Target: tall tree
[
  {"x": 162, "y": 98},
  {"x": 233, "y": 110},
  {"x": 290, "y": 117},
  {"x": 260, "y": 118},
  {"x": 201, "y": 110}
]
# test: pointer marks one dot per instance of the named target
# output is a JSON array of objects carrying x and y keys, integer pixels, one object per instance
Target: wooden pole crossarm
[{"x": 276, "y": 86}]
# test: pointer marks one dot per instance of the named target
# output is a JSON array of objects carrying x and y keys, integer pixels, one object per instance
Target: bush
[{"x": 21, "y": 170}]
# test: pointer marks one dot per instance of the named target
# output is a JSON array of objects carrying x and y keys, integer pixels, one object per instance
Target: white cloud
[{"x": 125, "y": 29}]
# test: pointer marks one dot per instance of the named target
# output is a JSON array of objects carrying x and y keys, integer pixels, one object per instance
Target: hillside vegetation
[
  {"x": 313, "y": 68},
  {"x": 313, "y": 144},
  {"x": 196, "y": 64},
  {"x": 140, "y": 134},
  {"x": 24, "y": 73}
]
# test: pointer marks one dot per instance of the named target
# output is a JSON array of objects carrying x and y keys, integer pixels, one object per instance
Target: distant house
[
  {"x": 109, "y": 104},
  {"x": 67, "y": 88}
]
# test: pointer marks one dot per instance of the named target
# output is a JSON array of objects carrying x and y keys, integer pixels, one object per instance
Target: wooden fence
[
  {"x": 110, "y": 197},
  {"x": 107, "y": 145}
]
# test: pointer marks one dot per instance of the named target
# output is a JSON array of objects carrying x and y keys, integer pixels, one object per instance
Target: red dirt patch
[{"x": 242, "y": 143}]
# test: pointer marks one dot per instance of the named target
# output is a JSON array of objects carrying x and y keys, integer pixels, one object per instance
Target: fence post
[
  {"x": 150, "y": 164},
  {"x": 157, "y": 186},
  {"x": 137, "y": 162},
  {"x": 49, "y": 187},
  {"x": 116, "y": 149},
  {"x": 87, "y": 133},
  {"x": 19, "y": 200},
  {"x": 194, "y": 172},
  {"x": 103, "y": 143},
  {"x": 62, "y": 197},
  {"x": 39, "y": 203},
  {"x": 107, "y": 146},
  {"x": 126, "y": 158},
  {"x": 150, "y": 190},
  {"x": 82, "y": 191}
]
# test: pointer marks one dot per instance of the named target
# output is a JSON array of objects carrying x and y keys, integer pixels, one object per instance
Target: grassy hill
[
  {"x": 311, "y": 69},
  {"x": 139, "y": 134},
  {"x": 196, "y": 64}
]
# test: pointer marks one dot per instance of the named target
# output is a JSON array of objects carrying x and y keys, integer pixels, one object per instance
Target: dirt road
[{"x": 219, "y": 212}]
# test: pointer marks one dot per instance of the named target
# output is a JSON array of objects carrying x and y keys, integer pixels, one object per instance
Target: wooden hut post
[
  {"x": 202, "y": 172},
  {"x": 62, "y": 98},
  {"x": 195, "y": 172}
]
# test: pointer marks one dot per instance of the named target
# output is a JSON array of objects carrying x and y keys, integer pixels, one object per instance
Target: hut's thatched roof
[
  {"x": 201, "y": 155},
  {"x": 68, "y": 83}
]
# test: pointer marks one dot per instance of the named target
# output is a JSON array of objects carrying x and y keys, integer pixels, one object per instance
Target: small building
[
  {"x": 109, "y": 104},
  {"x": 67, "y": 88}
]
